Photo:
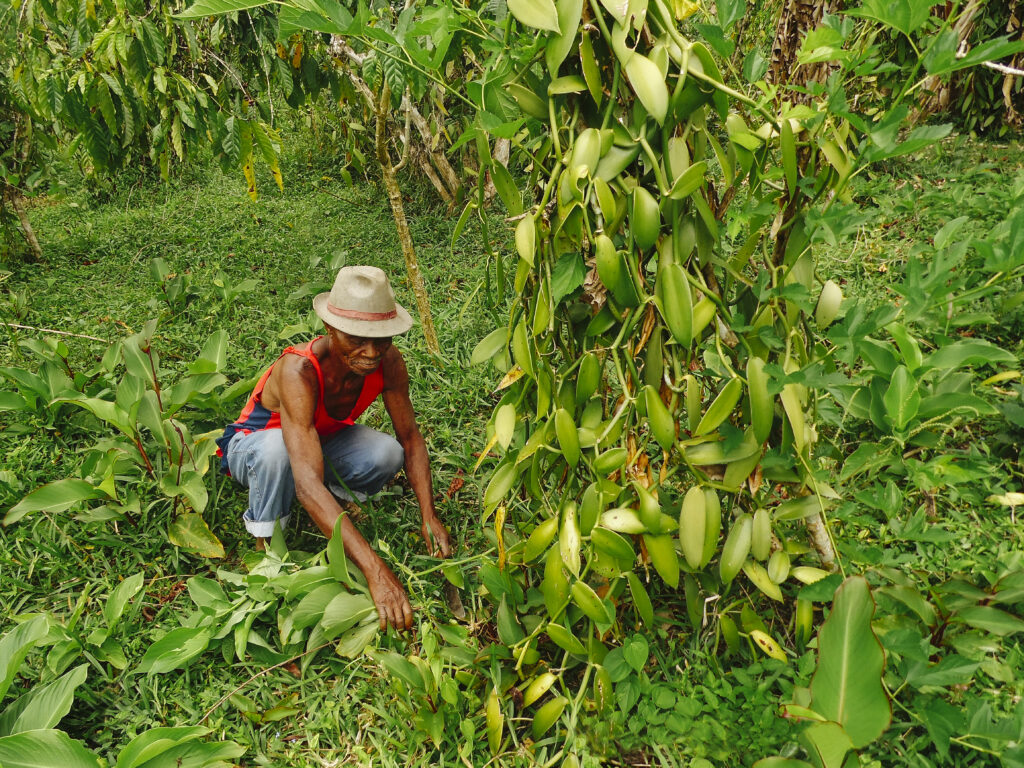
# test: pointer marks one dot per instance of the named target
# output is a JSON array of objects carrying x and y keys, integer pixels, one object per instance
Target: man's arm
[
  {"x": 297, "y": 392},
  {"x": 417, "y": 462}
]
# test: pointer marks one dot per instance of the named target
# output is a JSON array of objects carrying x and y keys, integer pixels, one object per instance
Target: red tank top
[{"x": 255, "y": 416}]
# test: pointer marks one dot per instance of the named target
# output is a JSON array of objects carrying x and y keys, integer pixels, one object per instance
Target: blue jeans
[{"x": 363, "y": 458}]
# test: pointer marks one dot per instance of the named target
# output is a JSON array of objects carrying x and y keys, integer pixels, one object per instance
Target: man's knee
[
  {"x": 271, "y": 456},
  {"x": 382, "y": 460}
]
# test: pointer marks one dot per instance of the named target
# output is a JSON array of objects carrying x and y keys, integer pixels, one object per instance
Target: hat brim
[{"x": 372, "y": 329}]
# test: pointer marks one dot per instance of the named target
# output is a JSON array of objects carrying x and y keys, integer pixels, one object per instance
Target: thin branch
[
  {"x": 53, "y": 330},
  {"x": 262, "y": 672},
  {"x": 406, "y": 137},
  {"x": 1003, "y": 68},
  {"x": 227, "y": 68}
]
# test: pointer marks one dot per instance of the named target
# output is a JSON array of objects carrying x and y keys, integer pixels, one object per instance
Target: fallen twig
[
  {"x": 53, "y": 330},
  {"x": 262, "y": 672}
]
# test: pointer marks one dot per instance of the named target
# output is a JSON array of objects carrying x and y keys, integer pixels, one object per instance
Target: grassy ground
[{"x": 96, "y": 282}]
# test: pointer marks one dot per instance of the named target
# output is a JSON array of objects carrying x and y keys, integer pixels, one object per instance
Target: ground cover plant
[{"x": 896, "y": 406}]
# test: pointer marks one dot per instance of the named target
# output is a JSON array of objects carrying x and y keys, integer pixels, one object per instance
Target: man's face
[{"x": 360, "y": 353}]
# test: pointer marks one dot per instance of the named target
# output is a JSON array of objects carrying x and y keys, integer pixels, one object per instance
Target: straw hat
[{"x": 362, "y": 303}]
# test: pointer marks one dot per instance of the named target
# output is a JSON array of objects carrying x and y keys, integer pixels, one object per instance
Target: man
[{"x": 296, "y": 435}]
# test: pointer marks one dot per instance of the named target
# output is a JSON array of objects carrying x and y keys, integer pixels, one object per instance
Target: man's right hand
[{"x": 390, "y": 598}]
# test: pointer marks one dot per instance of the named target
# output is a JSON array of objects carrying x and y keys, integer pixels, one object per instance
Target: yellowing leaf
[
  {"x": 190, "y": 532},
  {"x": 515, "y": 374},
  {"x": 767, "y": 644}
]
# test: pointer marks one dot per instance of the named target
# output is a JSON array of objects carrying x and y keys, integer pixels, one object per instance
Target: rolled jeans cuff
[{"x": 264, "y": 529}]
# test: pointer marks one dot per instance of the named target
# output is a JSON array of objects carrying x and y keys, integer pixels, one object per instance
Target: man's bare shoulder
[{"x": 293, "y": 378}]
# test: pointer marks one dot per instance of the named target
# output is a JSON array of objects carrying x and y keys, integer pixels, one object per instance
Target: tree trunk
[
  {"x": 821, "y": 541},
  {"x": 13, "y": 196},
  {"x": 430, "y": 142},
  {"x": 412, "y": 266},
  {"x": 1013, "y": 30},
  {"x": 798, "y": 17},
  {"x": 935, "y": 93}
]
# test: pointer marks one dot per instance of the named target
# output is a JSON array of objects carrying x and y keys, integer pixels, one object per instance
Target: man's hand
[
  {"x": 436, "y": 536},
  {"x": 390, "y": 598}
]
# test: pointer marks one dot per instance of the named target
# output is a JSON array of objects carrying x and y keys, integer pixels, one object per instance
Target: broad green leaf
[
  {"x": 353, "y": 642},
  {"x": 44, "y": 705},
  {"x": 540, "y": 14},
  {"x": 337, "y": 563},
  {"x": 149, "y": 416},
  {"x": 331, "y": 18},
  {"x": 907, "y": 16},
  {"x": 207, "y": 593},
  {"x": 45, "y": 749},
  {"x": 505, "y": 424},
  {"x": 156, "y": 741},
  {"x": 950, "y": 403},
  {"x": 847, "y": 686},
  {"x": 400, "y": 667},
  {"x": 913, "y": 599},
  {"x": 138, "y": 363},
  {"x": 950, "y": 670},
  {"x": 510, "y": 632},
  {"x": 113, "y": 609},
  {"x": 54, "y": 498},
  {"x": 648, "y": 84},
  {"x": 311, "y": 608},
  {"x": 217, "y": 7},
  {"x": 194, "y": 490},
  {"x": 902, "y": 399},
  {"x": 12, "y": 401},
  {"x": 15, "y": 645},
  {"x": 991, "y": 619},
  {"x": 197, "y": 754},
  {"x": 213, "y": 356},
  {"x": 489, "y": 346},
  {"x": 499, "y": 486},
  {"x": 969, "y": 352},
  {"x": 190, "y": 532},
  {"x": 636, "y": 652},
  {"x": 104, "y": 410},
  {"x": 174, "y": 650},
  {"x": 507, "y": 189},
  {"x": 569, "y": 13},
  {"x": 782, "y": 762},
  {"x": 569, "y": 273},
  {"x": 829, "y": 743},
  {"x": 689, "y": 181},
  {"x": 345, "y": 611}
]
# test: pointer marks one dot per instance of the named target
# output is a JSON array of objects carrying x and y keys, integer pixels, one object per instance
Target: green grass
[{"x": 96, "y": 281}]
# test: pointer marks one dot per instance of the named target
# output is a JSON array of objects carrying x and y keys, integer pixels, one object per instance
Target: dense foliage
[{"x": 697, "y": 435}]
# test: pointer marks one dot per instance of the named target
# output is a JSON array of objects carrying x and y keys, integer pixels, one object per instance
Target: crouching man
[{"x": 297, "y": 434}]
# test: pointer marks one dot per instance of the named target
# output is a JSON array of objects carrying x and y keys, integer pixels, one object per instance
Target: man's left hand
[{"x": 436, "y": 536}]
